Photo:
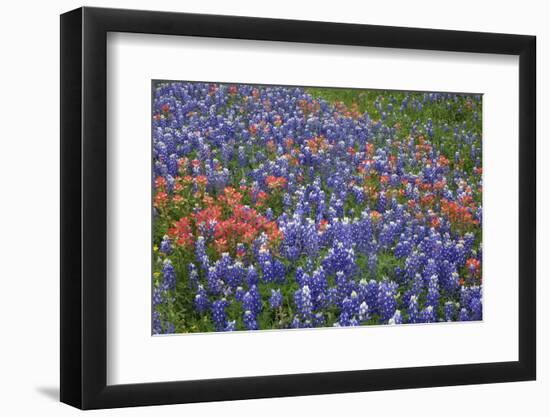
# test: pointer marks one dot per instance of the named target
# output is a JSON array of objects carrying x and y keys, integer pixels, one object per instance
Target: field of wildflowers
[{"x": 283, "y": 207}]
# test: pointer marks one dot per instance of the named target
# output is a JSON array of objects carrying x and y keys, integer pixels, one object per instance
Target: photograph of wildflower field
[{"x": 283, "y": 207}]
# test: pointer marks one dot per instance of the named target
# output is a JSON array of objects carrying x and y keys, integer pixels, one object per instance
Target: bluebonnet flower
[
  {"x": 200, "y": 253},
  {"x": 449, "y": 276},
  {"x": 381, "y": 202},
  {"x": 364, "y": 312},
  {"x": 319, "y": 287},
  {"x": 165, "y": 245},
  {"x": 172, "y": 166},
  {"x": 251, "y": 276},
  {"x": 319, "y": 320},
  {"x": 403, "y": 248},
  {"x": 235, "y": 274},
  {"x": 279, "y": 271},
  {"x": 276, "y": 299},
  {"x": 252, "y": 301},
  {"x": 169, "y": 328},
  {"x": 169, "y": 275},
  {"x": 373, "y": 263},
  {"x": 396, "y": 318},
  {"x": 202, "y": 303},
  {"x": 343, "y": 285},
  {"x": 158, "y": 296},
  {"x": 412, "y": 310},
  {"x": 344, "y": 320},
  {"x": 470, "y": 300},
  {"x": 469, "y": 239},
  {"x": 250, "y": 321},
  {"x": 476, "y": 305},
  {"x": 450, "y": 310},
  {"x": 157, "y": 325},
  {"x": 239, "y": 294},
  {"x": 193, "y": 276},
  {"x": 218, "y": 314},
  {"x": 350, "y": 305},
  {"x": 412, "y": 264},
  {"x": 427, "y": 315},
  {"x": 304, "y": 305},
  {"x": 430, "y": 270},
  {"x": 371, "y": 296},
  {"x": 311, "y": 238},
  {"x": 332, "y": 296},
  {"x": 340, "y": 259},
  {"x": 416, "y": 288},
  {"x": 387, "y": 302},
  {"x": 214, "y": 282},
  {"x": 266, "y": 262},
  {"x": 432, "y": 298}
]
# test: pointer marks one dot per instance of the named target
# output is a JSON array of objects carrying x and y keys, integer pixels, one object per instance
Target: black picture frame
[{"x": 84, "y": 207}]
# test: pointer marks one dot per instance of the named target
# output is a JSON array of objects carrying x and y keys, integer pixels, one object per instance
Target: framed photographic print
[{"x": 256, "y": 208}]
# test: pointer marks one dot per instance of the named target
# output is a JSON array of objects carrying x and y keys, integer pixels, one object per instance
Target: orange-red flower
[
  {"x": 201, "y": 181},
  {"x": 275, "y": 183},
  {"x": 374, "y": 215},
  {"x": 161, "y": 199},
  {"x": 370, "y": 149},
  {"x": 427, "y": 200},
  {"x": 458, "y": 215},
  {"x": 231, "y": 196},
  {"x": 182, "y": 232},
  {"x": 244, "y": 225},
  {"x": 473, "y": 266},
  {"x": 439, "y": 185},
  {"x": 261, "y": 198},
  {"x": 209, "y": 214},
  {"x": 221, "y": 245},
  {"x": 288, "y": 143},
  {"x": 443, "y": 161},
  {"x": 160, "y": 183}
]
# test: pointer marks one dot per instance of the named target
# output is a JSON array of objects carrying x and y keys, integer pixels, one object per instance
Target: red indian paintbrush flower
[
  {"x": 473, "y": 266},
  {"x": 275, "y": 183},
  {"x": 182, "y": 232}
]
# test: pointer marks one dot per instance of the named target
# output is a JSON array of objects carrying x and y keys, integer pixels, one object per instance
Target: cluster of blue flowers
[{"x": 378, "y": 220}]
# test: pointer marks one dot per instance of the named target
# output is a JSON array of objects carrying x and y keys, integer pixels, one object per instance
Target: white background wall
[{"x": 29, "y": 220}]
